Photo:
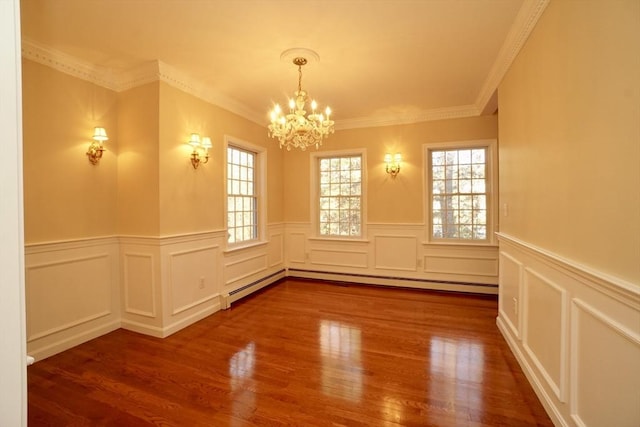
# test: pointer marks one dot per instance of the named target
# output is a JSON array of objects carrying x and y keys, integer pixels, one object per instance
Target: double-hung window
[
  {"x": 243, "y": 194},
  {"x": 461, "y": 200},
  {"x": 339, "y": 180}
]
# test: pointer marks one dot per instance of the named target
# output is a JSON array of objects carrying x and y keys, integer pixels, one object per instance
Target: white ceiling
[{"x": 381, "y": 61}]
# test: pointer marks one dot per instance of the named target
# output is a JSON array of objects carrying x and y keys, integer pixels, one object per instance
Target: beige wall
[
  {"x": 138, "y": 167},
  {"x": 193, "y": 200},
  {"x": 145, "y": 184},
  {"x": 65, "y": 196},
  {"x": 399, "y": 200},
  {"x": 570, "y": 136}
]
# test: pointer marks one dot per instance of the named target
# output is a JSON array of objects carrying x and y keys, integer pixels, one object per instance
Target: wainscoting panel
[
  {"x": 338, "y": 257},
  {"x": 392, "y": 255},
  {"x": 138, "y": 284},
  {"x": 239, "y": 267},
  {"x": 191, "y": 278},
  {"x": 296, "y": 248},
  {"x": 511, "y": 276},
  {"x": 545, "y": 329},
  {"x": 141, "y": 285},
  {"x": 82, "y": 287},
  {"x": 72, "y": 293},
  {"x": 461, "y": 263},
  {"x": 605, "y": 381},
  {"x": 580, "y": 341},
  {"x": 251, "y": 268},
  {"x": 193, "y": 274},
  {"x": 276, "y": 247},
  {"x": 395, "y": 253}
]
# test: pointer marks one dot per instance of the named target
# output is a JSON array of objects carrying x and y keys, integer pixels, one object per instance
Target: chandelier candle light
[{"x": 297, "y": 129}]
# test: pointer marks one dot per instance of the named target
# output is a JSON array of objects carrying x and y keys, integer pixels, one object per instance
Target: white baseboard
[
  {"x": 229, "y": 298},
  {"x": 40, "y": 353},
  {"x": 529, "y": 373},
  {"x": 193, "y": 318},
  {"x": 395, "y": 282}
]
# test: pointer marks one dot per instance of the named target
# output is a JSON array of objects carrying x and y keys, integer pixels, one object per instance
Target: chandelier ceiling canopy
[{"x": 296, "y": 128}]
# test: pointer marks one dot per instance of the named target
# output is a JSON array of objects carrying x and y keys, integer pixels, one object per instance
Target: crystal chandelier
[{"x": 297, "y": 129}]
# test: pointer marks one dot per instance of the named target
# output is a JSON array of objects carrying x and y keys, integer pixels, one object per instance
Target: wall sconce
[
  {"x": 94, "y": 153},
  {"x": 200, "y": 149},
  {"x": 392, "y": 164}
]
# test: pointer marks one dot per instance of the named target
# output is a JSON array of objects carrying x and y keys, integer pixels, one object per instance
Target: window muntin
[
  {"x": 459, "y": 199},
  {"x": 242, "y": 199},
  {"x": 340, "y": 196}
]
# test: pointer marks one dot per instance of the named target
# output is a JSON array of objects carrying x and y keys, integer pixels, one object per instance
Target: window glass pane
[
  {"x": 478, "y": 171},
  {"x": 464, "y": 172},
  {"x": 241, "y": 201},
  {"x": 464, "y": 157},
  {"x": 340, "y": 195},
  {"x": 458, "y": 183},
  {"x": 437, "y": 158}
]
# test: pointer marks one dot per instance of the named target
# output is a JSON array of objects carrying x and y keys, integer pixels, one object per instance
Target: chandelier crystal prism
[{"x": 298, "y": 129}]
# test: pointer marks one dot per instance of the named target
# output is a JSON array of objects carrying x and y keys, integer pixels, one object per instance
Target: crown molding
[
  {"x": 68, "y": 64},
  {"x": 147, "y": 72},
  {"x": 525, "y": 21},
  {"x": 152, "y": 71}
]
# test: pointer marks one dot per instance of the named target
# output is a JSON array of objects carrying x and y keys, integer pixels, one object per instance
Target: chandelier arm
[{"x": 297, "y": 129}]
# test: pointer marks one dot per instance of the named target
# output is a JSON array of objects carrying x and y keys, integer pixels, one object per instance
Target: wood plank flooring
[{"x": 299, "y": 353}]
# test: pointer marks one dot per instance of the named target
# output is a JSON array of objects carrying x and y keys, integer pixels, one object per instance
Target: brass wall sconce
[
  {"x": 94, "y": 153},
  {"x": 392, "y": 164},
  {"x": 200, "y": 153}
]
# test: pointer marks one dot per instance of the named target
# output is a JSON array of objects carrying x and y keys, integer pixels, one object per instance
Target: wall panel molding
[
  {"x": 72, "y": 293},
  {"x": 510, "y": 293},
  {"x": 580, "y": 341},
  {"x": 603, "y": 357},
  {"x": 192, "y": 277},
  {"x": 623, "y": 291},
  {"x": 395, "y": 252},
  {"x": 139, "y": 268},
  {"x": 556, "y": 382}
]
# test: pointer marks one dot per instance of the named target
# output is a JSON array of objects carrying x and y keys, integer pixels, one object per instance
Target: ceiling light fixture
[{"x": 297, "y": 129}]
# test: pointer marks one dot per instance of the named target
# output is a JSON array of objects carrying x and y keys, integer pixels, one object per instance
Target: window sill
[
  {"x": 461, "y": 244},
  {"x": 242, "y": 246}
]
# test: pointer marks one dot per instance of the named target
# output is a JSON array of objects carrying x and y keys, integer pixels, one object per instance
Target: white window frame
[
  {"x": 259, "y": 187},
  {"x": 491, "y": 189},
  {"x": 314, "y": 158}
]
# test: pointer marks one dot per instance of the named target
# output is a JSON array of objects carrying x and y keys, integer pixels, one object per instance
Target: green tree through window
[
  {"x": 459, "y": 197},
  {"x": 340, "y": 191}
]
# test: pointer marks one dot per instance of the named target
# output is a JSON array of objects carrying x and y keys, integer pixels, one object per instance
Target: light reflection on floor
[
  {"x": 456, "y": 374},
  {"x": 241, "y": 368},
  {"x": 341, "y": 360}
]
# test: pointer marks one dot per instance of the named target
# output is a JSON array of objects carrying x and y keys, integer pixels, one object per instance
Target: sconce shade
[
  {"x": 99, "y": 134},
  {"x": 194, "y": 140},
  {"x": 206, "y": 143}
]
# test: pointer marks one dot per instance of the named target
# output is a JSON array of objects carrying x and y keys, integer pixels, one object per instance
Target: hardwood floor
[{"x": 299, "y": 353}]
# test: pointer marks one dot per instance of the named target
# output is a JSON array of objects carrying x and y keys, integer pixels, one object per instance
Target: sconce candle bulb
[
  {"x": 200, "y": 149},
  {"x": 392, "y": 164},
  {"x": 94, "y": 153}
]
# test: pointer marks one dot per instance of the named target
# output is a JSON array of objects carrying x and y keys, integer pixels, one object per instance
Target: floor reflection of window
[
  {"x": 241, "y": 367},
  {"x": 241, "y": 364},
  {"x": 341, "y": 364},
  {"x": 456, "y": 373}
]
